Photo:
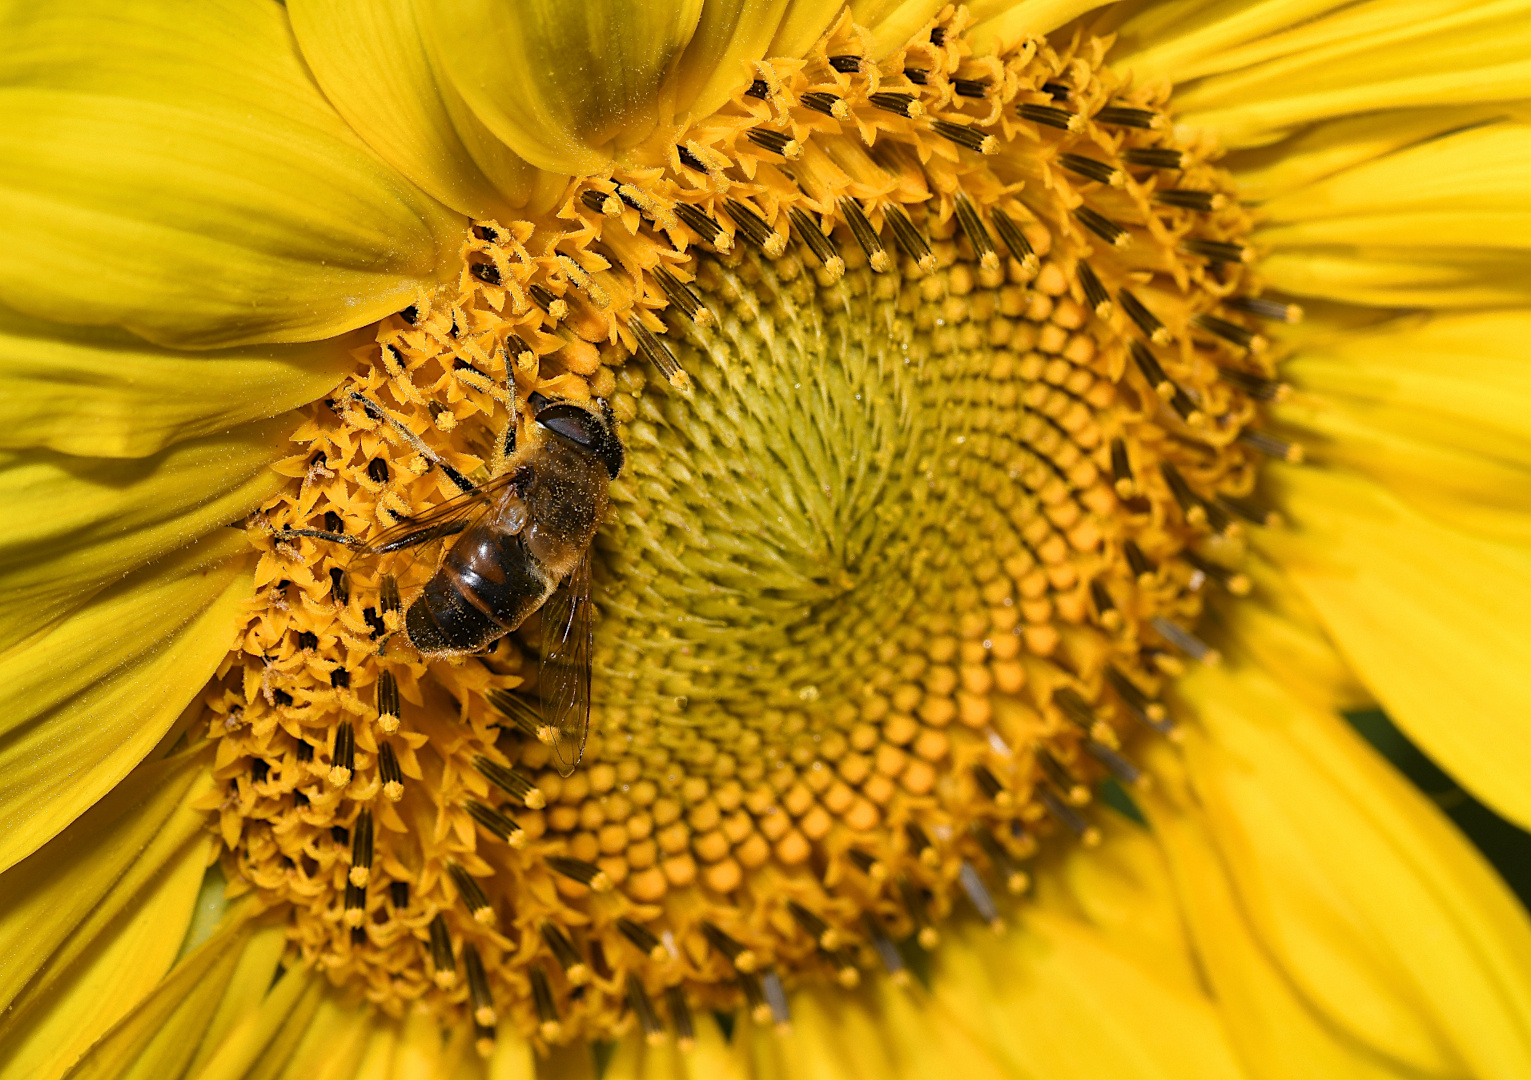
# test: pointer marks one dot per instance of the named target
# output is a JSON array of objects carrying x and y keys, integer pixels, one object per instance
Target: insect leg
[
  {"x": 377, "y": 412},
  {"x": 321, "y": 534}
]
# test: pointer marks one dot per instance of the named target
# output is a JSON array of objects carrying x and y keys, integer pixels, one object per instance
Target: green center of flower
[{"x": 910, "y": 532}]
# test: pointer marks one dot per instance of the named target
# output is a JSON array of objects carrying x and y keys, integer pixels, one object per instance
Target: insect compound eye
[{"x": 585, "y": 429}]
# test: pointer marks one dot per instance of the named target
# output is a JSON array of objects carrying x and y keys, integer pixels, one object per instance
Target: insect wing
[
  {"x": 408, "y": 551},
  {"x": 568, "y": 630}
]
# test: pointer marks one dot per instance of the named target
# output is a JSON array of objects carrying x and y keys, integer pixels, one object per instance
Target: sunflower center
[{"x": 916, "y": 518}]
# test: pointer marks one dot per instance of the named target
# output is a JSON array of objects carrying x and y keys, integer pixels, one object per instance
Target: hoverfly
[{"x": 522, "y": 544}]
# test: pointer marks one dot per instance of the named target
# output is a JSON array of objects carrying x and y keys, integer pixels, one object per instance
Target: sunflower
[{"x": 1019, "y": 402}]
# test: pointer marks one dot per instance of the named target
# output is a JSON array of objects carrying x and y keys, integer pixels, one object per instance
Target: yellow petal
[
  {"x": 85, "y": 701},
  {"x": 247, "y": 985},
  {"x": 61, "y": 898},
  {"x": 158, "y": 1037},
  {"x": 271, "y": 1030},
  {"x": 893, "y": 22},
  {"x": 805, "y": 22},
  {"x": 565, "y": 86},
  {"x": 374, "y": 67},
  {"x": 1386, "y": 920},
  {"x": 104, "y": 393},
  {"x": 999, "y": 24},
  {"x": 122, "y": 967},
  {"x": 80, "y": 523},
  {"x": 730, "y": 35},
  {"x": 1055, "y": 1000},
  {"x": 1465, "y": 54},
  {"x": 1431, "y": 619},
  {"x": 334, "y": 1043},
  {"x": 143, "y": 185}
]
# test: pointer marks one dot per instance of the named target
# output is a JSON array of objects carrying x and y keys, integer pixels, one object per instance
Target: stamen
[
  {"x": 887, "y": 952},
  {"x": 1250, "y": 510},
  {"x": 909, "y": 239},
  {"x": 478, "y": 987},
  {"x": 680, "y": 1017},
  {"x": 658, "y": 353},
  {"x": 921, "y": 846},
  {"x": 1091, "y": 169},
  {"x": 305, "y": 750},
  {"x": 1074, "y": 793},
  {"x": 1186, "y": 199},
  {"x": 918, "y": 76},
  {"x": 845, "y": 65},
  {"x": 754, "y": 998},
  {"x": 867, "y": 864},
  {"x": 812, "y": 234},
  {"x": 866, "y": 236},
  {"x": 472, "y": 894},
  {"x": 757, "y": 89},
  {"x": 488, "y": 273},
  {"x": 776, "y": 142},
  {"x": 828, "y": 104},
  {"x": 914, "y": 902},
  {"x": 338, "y": 588},
  {"x": 1271, "y": 446},
  {"x": 495, "y": 823},
  {"x": 1186, "y": 409},
  {"x": 708, "y": 230},
  {"x": 388, "y": 710},
  {"x": 548, "y": 1025},
  {"x": 361, "y": 850},
  {"x": 1186, "y": 641},
  {"x": 601, "y": 202},
  {"x": 1069, "y": 818},
  {"x": 1095, "y": 293},
  {"x": 742, "y": 957},
  {"x": 1105, "y": 607},
  {"x": 993, "y": 790},
  {"x": 1124, "y": 116},
  {"x": 978, "y": 235},
  {"x": 1256, "y": 386},
  {"x": 1146, "y": 320},
  {"x": 1217, "y": 250},
  {"x": 342, "y": 754},
  {"x": 1121, "y": 471},
  {"x": 971, "y": 88},
  {"x": 1265, "y": 309},
  {"x": 1148, "y": 364},
  {"x": 587, "y": 874},
  {"x": 1016, "y": 880},
  {"x": 1230, "y": 332},
  {"x": 518, "y": 711},
  {"x": 824, "y": 935},
  {"x": 568, "y": 957},
  {"x": 398, "y": 895},
  {"x": 978, "y": 895},
  {"x": 1103, "y": 227},
  {"x": 754, "y": 228},
  {"x": 776, "y": 998},
  {"x": 643, "y": 1009},
  {"x": 1057, "y": 91},
  {"x": 1154, "y": 158},
  {"x": 1051, "y": 116},
  {"x": 1010, "y": 234},
  {"x": 906, "y": 105},
  {"x": 643, "y": 939},
  {"x": 355, "y": 905},
  {"x": 556, "y": 307},
  {"x": 1192, "y": 505},
  {"x": 680, "y": 294},
  {"x": 966, "y": 135},
  {"x": 1236, "y": 583},
  {"x": 441, "y": 954},
  {"x": 258, "y": 771},
  {"x": 511, "y": 782}
]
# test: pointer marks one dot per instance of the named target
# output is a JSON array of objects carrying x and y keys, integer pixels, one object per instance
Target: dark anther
[
  {"x": 1148, "y": 364},
  {"x": 1152, "y": 158},
  {"x": 965, "y": 135},
  {"x": 1122, "y": 116},
  {"x": 655, "y": 351},
  {"x": 1057, "y": 91},
  {"x": 820, "y": 102},
  {"x": 564, "y": 952},
  {"x": 971, "y": 88},
  {"x": 410, "y": 314},
  {"x": 643, "y": 1008},
  {"x": 1230, "y": 332},
  {"x": 1091, "y": 169},
  {"x": 388, "y": 765},
  {"x": 1186, "y": 409},
  {"x": 1235, "y": 582},
  {"x": 866, "y": 236},
  {"x": 1119, "y": 767},
  {"x": 978, "y": 894},
  {"x": 812, "y": 234},
  {"x": 1104, "y": 605},
  {"x": 680, "y": 1016},
  {"x": 1217, "y": 250},
  {"x": 398, "y": 894},
  {"x": 1250, "y": 510},
  {"x": 319, "y": 458},
  {"x": 1121, "y": 470},
  {"x": 307, "y": 639},
  {"x": 484, "y": 232},
  {"x": 441, "y": 951},
  {"x": 472, "y": 894},
  {"x": 510, "y": 781},
  {"x": 599, "y": 202},
  {"x": 578, "y": 870},
  {"x": 361, "y": 843},
  {"x": 1262, "y": 308},
  {"x": 393, "y": 359},
  {"x": 542, "y": 996},
  {"x": 1000, "y": 861},
  {"x": 845, "y": 65},
  {"x": 358, "y": 935},
  {"x": 377, "y": 470},
  {"x": 1271, "y": 446},
  {"x": 1074, "y": 707},
  {"x": 689, "y": 160},
  {"x": 340, "y": 834},
  {"x": 1192, "y": 505},
  {"x": 519, "y": 711},
  {"x": 1187, "y": 199},
  {"x": 1095, "y": 293},
  {"x": 387, "y": 694},
  {"x": 479, "y": 995},
  {"x": 989, "y": 784},
  {"x": 343, "y": 750},
  {"x": 1256, "y": 386},
  {"x": 918, "y": 76},
  {"x": 338, "y": 587},
  {"x": 938, "y": 36},
  {"x": 909, "y": 238},
  {"x": 898, "y": 104},
  {"x": 1103, "y": 227},
  {"x": 333, "y": 523},
  {"x": 774, "y": 141},
  {"x": 299, "y": 800},
  {"x": 1144, "y": 710},
  {"x": 758, "y": 89},
  {"x": 866, "y": 863},
  {"x": 825, "y": 936},
  {"x": 918, "y": 840},
  {"x": 1144, "y": 319},
  {"x": 340, "y": 678},
  {"x": 740, "y": 955},
  {"x": 678, "y": 293},
  {"x": 488, "y": 273},
  {"x": 305, "y": 750},
  {"x": 976, "y": 232},
  {"x": 496, "y": 823},
  {"x": 1141, "y": 568},
  {"x": 543, "y": 296},
  {"x": 1012, "y": 237},
  {"x": 1049, "y": 116},
  {"x": 642, "y": 939},
  {"x": 281, "y": 697},
  {"x": 258, "y": 771},
  {"x": 698, "y": 222}
]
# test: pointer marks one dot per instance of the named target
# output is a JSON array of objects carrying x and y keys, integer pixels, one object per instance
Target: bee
[{"x": 522, "y": 545}]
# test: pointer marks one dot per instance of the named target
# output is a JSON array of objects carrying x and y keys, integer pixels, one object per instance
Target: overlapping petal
[{"x": 171, "y": 168}]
